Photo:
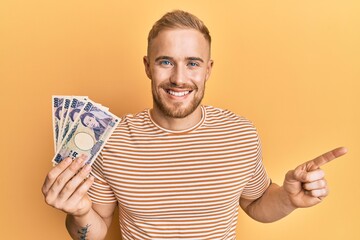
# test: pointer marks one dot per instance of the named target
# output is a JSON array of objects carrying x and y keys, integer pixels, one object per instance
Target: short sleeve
[
  {"x": 100, "y": 192},
  {"x": 259, "y": 181}
]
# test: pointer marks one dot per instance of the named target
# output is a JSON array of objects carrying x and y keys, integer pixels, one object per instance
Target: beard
[{"x": 178, "y": 109}]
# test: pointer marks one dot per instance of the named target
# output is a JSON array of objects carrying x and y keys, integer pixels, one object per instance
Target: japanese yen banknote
[{"x": 81, "y": 127}]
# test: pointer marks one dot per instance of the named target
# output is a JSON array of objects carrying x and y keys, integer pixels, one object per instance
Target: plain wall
[{"x": 291, "y": 67}]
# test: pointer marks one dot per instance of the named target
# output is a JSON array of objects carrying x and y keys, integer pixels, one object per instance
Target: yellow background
[{"x": 292, "y": 67}]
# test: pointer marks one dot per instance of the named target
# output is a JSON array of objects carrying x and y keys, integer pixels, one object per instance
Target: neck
[{"x": 176, "y": 124}]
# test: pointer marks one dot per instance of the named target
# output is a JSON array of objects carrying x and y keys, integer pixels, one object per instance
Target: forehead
[{"x": 179, "y": 43}]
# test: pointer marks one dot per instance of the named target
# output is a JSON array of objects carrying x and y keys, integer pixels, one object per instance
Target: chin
[{"x": 179, "y": 112}]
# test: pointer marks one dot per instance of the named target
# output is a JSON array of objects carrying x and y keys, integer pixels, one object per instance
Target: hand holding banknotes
[
  {"x": 66, "y": 186},
  {"x": 81, "y": 128}
]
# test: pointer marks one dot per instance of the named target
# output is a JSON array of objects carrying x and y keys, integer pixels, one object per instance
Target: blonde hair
[{"x": 178, "y": 19}]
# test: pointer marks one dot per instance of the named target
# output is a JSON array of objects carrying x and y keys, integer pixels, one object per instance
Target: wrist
[
  {"x": 81, "y": 215},
  {"x": 73, "y": 222},
  {"x": 288, "y": 205}
]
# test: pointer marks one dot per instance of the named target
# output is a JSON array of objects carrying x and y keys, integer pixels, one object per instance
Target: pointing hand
[{"x": 306, "y": 185}]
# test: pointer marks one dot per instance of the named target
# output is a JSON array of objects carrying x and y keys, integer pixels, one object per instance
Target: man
[{"x": 179, "y": 170}]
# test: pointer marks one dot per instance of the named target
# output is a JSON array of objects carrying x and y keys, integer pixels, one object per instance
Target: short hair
[{"x": 178, "y": 19}]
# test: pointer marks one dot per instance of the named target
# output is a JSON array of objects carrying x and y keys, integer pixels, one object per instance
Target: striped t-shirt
[{"x": 180, "y": 184}]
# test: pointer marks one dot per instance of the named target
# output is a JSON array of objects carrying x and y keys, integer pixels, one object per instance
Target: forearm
[
  {"x": 89, "y": 226},
  {"x": 272, "y": 206}
]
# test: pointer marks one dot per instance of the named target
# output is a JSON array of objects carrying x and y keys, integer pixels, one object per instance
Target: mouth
[{"x": 178, "y": 93}]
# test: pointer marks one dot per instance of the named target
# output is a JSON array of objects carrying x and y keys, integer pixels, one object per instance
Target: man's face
[
  {"x": 91, "y": 122},
  {"x": 178, "y": 64}
]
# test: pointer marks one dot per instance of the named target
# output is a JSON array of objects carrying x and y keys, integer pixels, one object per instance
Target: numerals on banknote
[{"x": 81, "y": 127}]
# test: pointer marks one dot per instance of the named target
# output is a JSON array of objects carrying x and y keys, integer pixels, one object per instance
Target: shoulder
[
  {"x": 140, "y": 116},
  {"x": 138, "y": 120},
  {"x": 132, "y": 125},
  {"x": 224, "y": 116},
  {"x": 230, "y": 124}
]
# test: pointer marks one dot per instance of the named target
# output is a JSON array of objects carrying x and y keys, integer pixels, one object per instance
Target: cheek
[
  {"x": 160, "y": 75},
  {"x": 198, "y": 76}
]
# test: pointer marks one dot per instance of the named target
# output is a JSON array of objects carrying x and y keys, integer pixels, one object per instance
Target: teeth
[{"x": 178, "y": 94}]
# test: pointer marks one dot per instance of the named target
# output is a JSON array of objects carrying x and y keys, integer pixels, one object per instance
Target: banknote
[
  {"x": 88, "y": 133},
  {"x": 76, "y": 106},
  {"x": 57, "y": 106},
  {"x": 64, "y": 112}
]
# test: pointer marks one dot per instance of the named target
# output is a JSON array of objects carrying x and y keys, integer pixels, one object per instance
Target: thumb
[{"x": 297, "y": 175}]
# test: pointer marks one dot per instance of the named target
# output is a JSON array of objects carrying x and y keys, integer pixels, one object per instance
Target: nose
[{"x": 178, "y": 76}]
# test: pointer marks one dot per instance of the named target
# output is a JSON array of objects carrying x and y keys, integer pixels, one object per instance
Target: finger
[
  {"x": 320, "y": 184},
  {"x": 307, "y": 177},
  {"x": 54, "y": 173},
  {"x": 319, "y": 193},
  {"x": 74, "y": 183},
  {"x": 81, "y": 191},
  {"x": 327, "y": 157},
  {"x": 63, "y": 178}
]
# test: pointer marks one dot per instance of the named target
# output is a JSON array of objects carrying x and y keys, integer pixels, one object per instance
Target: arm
[
  {"x": 93, "y": 225},
  {"x": 65, "y": 188},
  {"x": 273, "y": 205},
  {"x": 305, "y": 186}
]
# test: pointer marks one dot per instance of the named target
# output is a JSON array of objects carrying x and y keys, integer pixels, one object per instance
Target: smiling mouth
[{"x": 179, "y": 93}]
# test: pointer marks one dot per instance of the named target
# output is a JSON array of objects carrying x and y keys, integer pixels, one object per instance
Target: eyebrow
[
  {"x": 170, "y": 58},
  {"x": 195, "y": 59},
  {"x": 162, "y": 58}
]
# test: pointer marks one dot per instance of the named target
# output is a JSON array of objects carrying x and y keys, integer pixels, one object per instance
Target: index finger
[
  {"x": 327, "y": 157},
  {"x": 54, "y": 173}
]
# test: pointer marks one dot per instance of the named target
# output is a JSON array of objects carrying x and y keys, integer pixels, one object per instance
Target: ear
[
  {"x": 147, "y": 66},
  {"x": 208, "y": 69}
]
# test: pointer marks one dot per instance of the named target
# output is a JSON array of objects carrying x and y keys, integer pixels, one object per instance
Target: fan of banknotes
[{"x": 81, "y": 127}]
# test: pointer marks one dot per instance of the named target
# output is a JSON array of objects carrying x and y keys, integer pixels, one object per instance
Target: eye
[
  {"x": 165, "y": 62},
  {"x": 193, "y": 64}
]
